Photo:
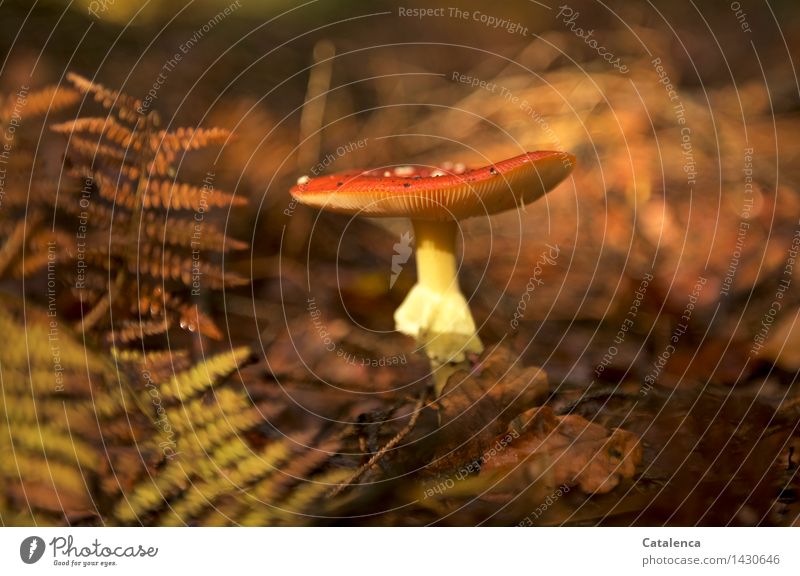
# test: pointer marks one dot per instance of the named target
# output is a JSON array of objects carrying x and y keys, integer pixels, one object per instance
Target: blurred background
[{"x": 665, "y": 262}]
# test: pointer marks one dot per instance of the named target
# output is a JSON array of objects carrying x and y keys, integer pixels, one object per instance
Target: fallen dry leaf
[
  {"x": 477, "y": 405},
  {"x": 569, "y": 450}
]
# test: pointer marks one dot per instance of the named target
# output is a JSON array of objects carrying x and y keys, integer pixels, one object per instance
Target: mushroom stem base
[{"x": 441, "y": 322}]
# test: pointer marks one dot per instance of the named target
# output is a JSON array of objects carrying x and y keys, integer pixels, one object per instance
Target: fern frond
[
  {"x": 185, "y": 139},
  {"x": 106, "y": 127},
  {"x": 182, "y": 196},
  {"x": 203, "y": 376},
  {"x": 160, "y": 364},
  {"x": 13, "y": 244},
  {"x": 126, "y": 106},
  {"x": 66, "y": 480},
  {"x": 55, "y": 397},
  {"x": 131, "y": 330},
  {"x": 50, "y": 99},
  {"x": 188, "y": 233},
  {"x": 151, "y": 494},
  {"x": 225, "y": 429},
  {"x": 115, "y": 190},
  {"x": 249, "y": 470},
  {"x": 96, "y": 149},
  {"x": 193, "y": 320},
  {"x": 309, "y": 497},
  {"x": 165, "y": 264}
]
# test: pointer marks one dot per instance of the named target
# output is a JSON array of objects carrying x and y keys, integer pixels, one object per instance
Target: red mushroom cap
[{"x": 445, "y": 193}]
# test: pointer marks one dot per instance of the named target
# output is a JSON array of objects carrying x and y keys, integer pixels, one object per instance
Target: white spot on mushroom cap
[
  {"x": 404, "y": 171},
  {"x": 303, "y": 180}
]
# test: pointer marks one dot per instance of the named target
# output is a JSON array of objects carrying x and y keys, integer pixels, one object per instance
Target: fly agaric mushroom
[{"x": 435, "y": 311}]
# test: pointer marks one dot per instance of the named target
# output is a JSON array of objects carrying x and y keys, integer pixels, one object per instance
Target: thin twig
[{"x": 386, "y": 447}]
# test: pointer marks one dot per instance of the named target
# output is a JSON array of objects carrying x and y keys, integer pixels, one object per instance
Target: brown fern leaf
[
  {"x": 184, "y": 139},
  {"x": 13, "y": 244},
  {"x": 161, "y": 364},
  {"x": 162, "y": 194},
  {"x": 152, "y": 301},
  {"x": 160, "y": 263},
  {"x": 182, "y": 196},
  {"x": 115, "y": 169},
  {"x": 188, "y": 233},
  {"x": 106, "y": 127},
  {"x": 149, "y": 299},
  {"x": 132, "y": 330},
  {"x": 193, "y": 320},
  {"x": 50, "y": 99},
  {"x": 92, "y": 149},
  {"x": 126, "y": 106},
  {"x": 100, "y": 214},
  {"x": 163, "y": 264},
  {"x": 114, "y": 190},
  {"x": 42, "y": 248},
  {"x": 45, "y": 100},
  {"x": 127, "y": 171},
  {"x": 142, "y": 233},
  {"x": 162, "y": 165}
]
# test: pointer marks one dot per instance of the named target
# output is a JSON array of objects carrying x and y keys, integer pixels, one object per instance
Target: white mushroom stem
[{"x": 435, "y": 311}]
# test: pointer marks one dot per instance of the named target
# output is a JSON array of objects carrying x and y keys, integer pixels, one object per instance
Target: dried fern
[
  {"x": 145, "y": 227},
  {"x": 125, "y": 106},
  {"x": 26, "y": 191},
  {"x": 137, "y": 436}
]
